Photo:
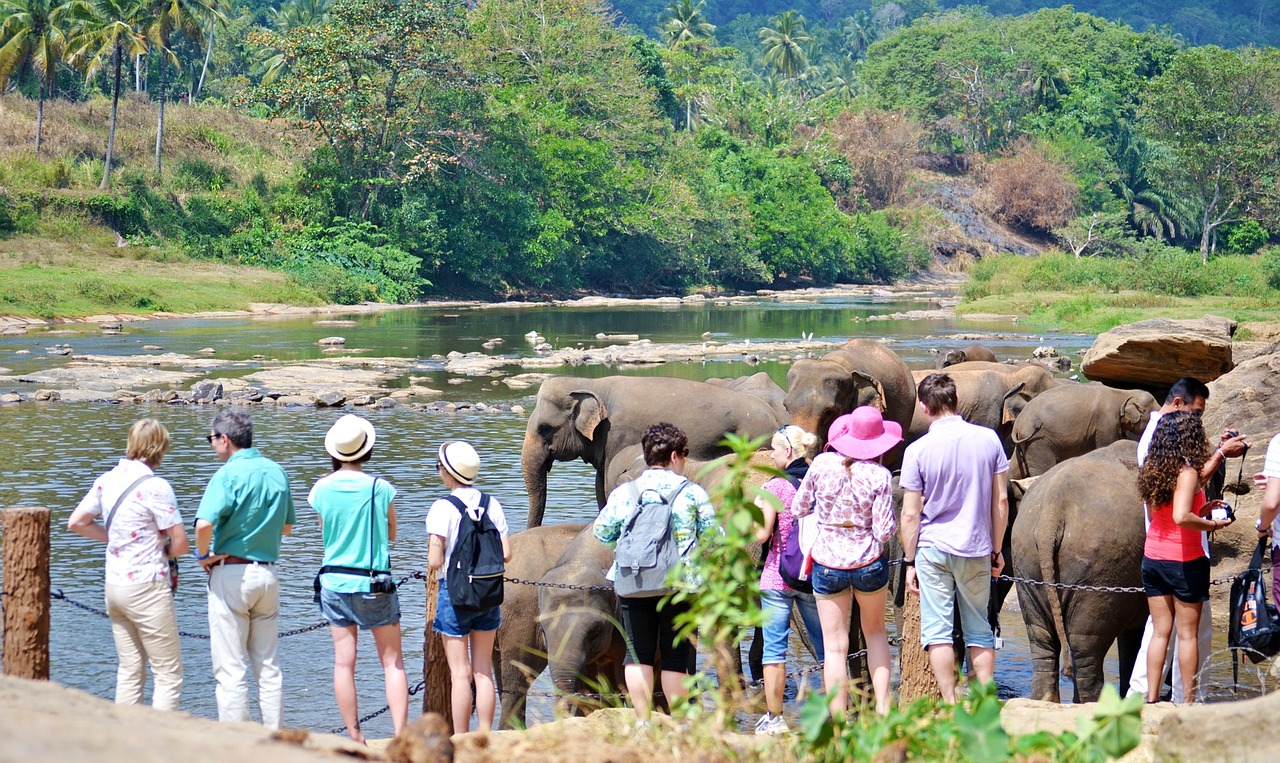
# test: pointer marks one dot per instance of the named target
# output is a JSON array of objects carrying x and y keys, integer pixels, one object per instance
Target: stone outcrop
[
  {"x": 1156, "y": 353},
  {"x": 1239, "y": 732},
  {"x": 1247, "y": 399}
]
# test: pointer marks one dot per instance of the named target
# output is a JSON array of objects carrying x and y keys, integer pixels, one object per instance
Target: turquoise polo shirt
[{"x": 248, "y": 503}]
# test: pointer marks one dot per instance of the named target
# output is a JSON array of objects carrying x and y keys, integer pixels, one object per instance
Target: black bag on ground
[
  {"x": 1255, "y": 623},
  {"x": 476, "y": 566}
]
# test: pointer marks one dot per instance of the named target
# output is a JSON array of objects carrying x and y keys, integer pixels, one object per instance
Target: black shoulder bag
[{"x": 1255, "y": 623}]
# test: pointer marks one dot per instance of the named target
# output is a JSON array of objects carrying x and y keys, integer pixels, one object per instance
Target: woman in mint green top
[{"x": 353, "y": 506}]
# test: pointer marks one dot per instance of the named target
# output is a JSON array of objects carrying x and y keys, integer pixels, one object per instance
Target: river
[{"x": 53, "y": 452}]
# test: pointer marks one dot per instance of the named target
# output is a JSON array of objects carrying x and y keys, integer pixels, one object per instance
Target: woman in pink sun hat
[{"x": 852, "y": 494}]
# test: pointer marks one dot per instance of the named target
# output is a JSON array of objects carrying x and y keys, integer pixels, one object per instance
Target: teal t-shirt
[
  {"x": 248, "y": 503},
  {"x": 342, "y": 501}
]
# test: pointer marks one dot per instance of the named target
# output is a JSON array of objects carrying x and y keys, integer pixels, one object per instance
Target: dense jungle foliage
[{"x": 512, "y": 146}]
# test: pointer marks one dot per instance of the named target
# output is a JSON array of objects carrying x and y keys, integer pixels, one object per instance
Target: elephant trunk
[
  {"x": 535, "y": 462},
  {"x": 567, "y": 675}
]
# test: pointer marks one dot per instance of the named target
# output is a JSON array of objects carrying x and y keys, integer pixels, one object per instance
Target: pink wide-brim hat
[{"x": 863, "y": 434}]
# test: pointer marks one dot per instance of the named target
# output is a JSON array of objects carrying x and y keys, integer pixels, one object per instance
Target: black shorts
[
  {"x": 1186, "y": 581},
  {"x": 650, "y": 630}
]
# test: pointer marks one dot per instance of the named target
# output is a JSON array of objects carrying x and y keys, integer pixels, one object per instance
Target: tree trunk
[
  {"x": 160, "y": 119},
  {"x": 115, "y": 105},
  {"x": 39, "y": 118},
  {"x": 137, "y": 72},
  {"x": 26, "y": 588},
  {"x": 208, "y": 51},
  {"x": 917, "y": 675},
  {"x": 435, "y": 668}
]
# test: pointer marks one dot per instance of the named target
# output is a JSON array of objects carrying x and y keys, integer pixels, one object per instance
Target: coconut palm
[
  {"x": 161, "y": 20},
  {"x": 784, "y": 42},
  {"x": 683, "y": 23},
  {"x": 840, "y": 80},
  {"x": 33, "y": 36},
  {"x": 103, "y": 33},
  {"x": 299, "y": 13},
  {"x": 859, "y": 31}
]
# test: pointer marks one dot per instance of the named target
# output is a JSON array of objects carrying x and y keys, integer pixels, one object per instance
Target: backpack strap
[
  {"x": 1258, "y": 553},
  {"x": 462, "y": 506}
]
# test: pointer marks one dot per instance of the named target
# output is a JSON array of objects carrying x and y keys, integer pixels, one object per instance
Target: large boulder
[
  {"x": 1153, "y": 354},
  {"x": 1234, "y": 731},
  {"x": 1247, "y": 399}
]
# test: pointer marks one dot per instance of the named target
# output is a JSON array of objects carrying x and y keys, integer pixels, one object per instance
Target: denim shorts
[
  {"x": 366, "y": 610},
  {"x": 450, "y": 622},
  {"x": 1185, "y": 581},
  {"x": 947, "y": 582},
  {"x": 869, "y": 578},
  {"x": 777, "y": 623}
]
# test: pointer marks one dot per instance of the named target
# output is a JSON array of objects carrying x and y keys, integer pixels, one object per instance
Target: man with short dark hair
[
  {"x": 954, "y": 511},
  {"x": 246, "y": 510},
  {"x": 1186, "y": 394}
]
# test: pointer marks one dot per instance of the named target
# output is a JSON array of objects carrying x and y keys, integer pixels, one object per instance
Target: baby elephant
[{"x": 974, "y": 351}]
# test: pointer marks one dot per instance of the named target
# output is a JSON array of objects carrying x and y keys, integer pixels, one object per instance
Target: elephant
[
  {"x": 987, "y": 398},
  {"x": 862, "y": 372},
  {"x": 762, "y": 386},
  {"x": 582, "y": 627},
  {"x": 518, "y": 649},
  {"x": 974, "y": 351},
  {"x": 1036, "y": 378},
  {"x": 1072, "y": 420},
  {"x": 593, "y": 419},
  {"x": 1068, "y": 534}
]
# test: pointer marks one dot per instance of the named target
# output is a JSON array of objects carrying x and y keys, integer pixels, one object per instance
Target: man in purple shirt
[{"x": 954, "y": 512}]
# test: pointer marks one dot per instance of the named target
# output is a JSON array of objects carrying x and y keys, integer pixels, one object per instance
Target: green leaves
[
  {"x": 1116, "y": 726},
  {"x": 978, "y": 727}
]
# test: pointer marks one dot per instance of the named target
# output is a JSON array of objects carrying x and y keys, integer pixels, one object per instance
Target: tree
[
  {"x": 162, "y": 19},
  {"x": 859, "y": 32},
  {"x": 684, "y": 23},
  {"x": 784, "y": 42},
  {"x": 1216, "y": 111},
  {"x": 105, "y": 31},
  {"x": 33, "y": 36}
]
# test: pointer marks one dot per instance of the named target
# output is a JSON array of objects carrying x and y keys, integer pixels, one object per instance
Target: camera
[
  {"x": 382, "y": 584},
  {"x": 1221, "y": 511},
  {"x": 1232, "y": 433}
]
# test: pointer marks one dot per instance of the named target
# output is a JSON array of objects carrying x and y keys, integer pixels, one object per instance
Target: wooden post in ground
[
  {"x": 917, "y": 675},
  {"x": 26, "y": 592},
  {"x": 435, "y": 668}
]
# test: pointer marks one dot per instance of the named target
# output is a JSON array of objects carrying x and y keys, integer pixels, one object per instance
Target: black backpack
[
  {"x": 1255, "y": 623},
  {"x": 476, "y": 566}
]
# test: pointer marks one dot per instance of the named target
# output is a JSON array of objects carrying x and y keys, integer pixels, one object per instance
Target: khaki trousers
[
  {"x": 145, "y": 628},
  {"x": 244, "y": 602}
]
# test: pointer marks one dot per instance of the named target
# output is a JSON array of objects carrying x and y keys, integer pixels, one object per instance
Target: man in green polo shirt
[{"x": 246, "y": 510}]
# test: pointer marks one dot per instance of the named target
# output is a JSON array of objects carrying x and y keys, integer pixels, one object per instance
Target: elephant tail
[
  {"x": 1048, "y": 551},
  {"x": 1019, "y": 452}
]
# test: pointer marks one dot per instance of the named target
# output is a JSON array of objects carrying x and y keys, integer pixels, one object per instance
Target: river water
[{"x": 53, "y": 452}]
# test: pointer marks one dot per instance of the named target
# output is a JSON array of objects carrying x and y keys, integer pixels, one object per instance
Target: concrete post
[{"x": 26, "y": 592}]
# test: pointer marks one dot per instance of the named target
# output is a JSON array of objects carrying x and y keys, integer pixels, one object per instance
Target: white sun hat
[{"x": 349, "y": 438}]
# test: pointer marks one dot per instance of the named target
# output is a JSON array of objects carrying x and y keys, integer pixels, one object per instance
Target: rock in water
[
  {"x": 1156, "y": 353},
  {"x": 206, "y": 391},
  {"x": 330, "y": 399},
  {"x": 425, "y": 740},
  {"x": 332, "y": 341}
]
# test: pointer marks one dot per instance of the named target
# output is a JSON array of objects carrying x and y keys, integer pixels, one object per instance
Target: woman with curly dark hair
[{"x": 1175, "y": 570}]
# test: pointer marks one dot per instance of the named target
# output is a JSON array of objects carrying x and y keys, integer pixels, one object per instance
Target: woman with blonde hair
[
  {"x": 142, "y": 530},
  {"x": 1175, "y": 569},
  {"x": 790, "y": 445}
]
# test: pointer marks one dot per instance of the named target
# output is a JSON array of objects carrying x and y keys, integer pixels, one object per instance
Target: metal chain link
[
  {"x": 568, "y": 586},
  {"x": 360, "y": 723},
  {"x": 1074, "y": 586}
]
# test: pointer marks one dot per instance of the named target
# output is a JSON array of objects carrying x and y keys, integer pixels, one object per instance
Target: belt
[{"x": 240, "y": 560}]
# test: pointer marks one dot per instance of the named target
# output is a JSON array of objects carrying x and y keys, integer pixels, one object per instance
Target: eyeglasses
[{"x": 214, "y": 436}]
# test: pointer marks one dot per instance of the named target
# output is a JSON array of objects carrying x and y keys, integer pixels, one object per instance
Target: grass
[{"x": 1058, "y": 292}]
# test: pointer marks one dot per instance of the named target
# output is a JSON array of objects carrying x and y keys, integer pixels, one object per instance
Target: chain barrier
[
  {"x": 364, "y": 719},
  {"x": 568, "y": 586}
]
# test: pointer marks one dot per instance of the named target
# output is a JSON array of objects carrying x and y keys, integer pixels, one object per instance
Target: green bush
[
  {"x": 361, "y": 252},
  {"x": 199, "y": 175},
  {"x": 333, "y": 284},
  {"x": 1246, "y": 237}
]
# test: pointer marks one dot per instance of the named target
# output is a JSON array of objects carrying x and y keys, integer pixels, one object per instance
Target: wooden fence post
[
  {"x": 917, "y": 675},
  {"x": 435, "y": 668},
  {"x": 26, "y": 592}
]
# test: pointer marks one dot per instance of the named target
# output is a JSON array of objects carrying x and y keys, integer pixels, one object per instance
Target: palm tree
[
  {"x": 299, "y": 13},
  {"x": 104, "y": 32},
  {"x": 784, "y": 42},
  {"x": 1154, "y": 211},
  {"x": 684, "y": 23},
  {"x": 859, "y": 32},
  {"x": 32, "y": 35},
  {"x": 840, "y": 80},
  {"x": 162, "y": 19}
]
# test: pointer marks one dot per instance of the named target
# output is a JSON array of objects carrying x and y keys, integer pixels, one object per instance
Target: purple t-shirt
[{"x": 951, "y": 467}]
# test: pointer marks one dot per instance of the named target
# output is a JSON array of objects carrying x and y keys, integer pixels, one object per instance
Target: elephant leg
[
  {"x": 1127, "y": 645},
  {"x": 1042, "y": 637},
  {"x": 1087, "y": 653},
  {"x": 515, "y": 674}
]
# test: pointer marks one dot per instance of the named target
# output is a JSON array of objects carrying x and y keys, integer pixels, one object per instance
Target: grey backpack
[{"x": 647, "y": 548}]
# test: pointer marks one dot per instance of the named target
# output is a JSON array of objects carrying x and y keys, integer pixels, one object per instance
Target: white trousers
[
  {"x": 145, "y": 628},
  {"x": 244, "y": 602},
  {"x": 1138, "y": 683}
]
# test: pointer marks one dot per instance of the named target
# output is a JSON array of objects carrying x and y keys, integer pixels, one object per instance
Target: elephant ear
[
  {"x": 590, "y": 411},
  {"x": 1014, "y": 401},
  {"x": 1020, "y": 487},
  {"x": 862, "y": 379},
  {"x": 1131, "y": 419}
]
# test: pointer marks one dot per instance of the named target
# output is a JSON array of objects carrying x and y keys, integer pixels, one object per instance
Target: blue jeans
[
  {"x": 869, "y": 578},
  {"x": 777, "y": 623},
  {"x": 450, "y": 622},
  {"x": 945, "y": 582}
]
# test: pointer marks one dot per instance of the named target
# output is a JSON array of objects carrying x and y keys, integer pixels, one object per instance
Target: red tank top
[{"x": 1167, "y": 541}]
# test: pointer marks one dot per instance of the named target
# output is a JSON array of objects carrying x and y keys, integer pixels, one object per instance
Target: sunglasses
[{"x": 214, "y": 436}]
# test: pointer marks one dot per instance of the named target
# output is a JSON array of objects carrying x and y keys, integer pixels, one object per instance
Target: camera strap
[{"x": 364, "y": 571}]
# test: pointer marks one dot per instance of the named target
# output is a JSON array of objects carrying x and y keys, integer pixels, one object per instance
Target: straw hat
[
  {"x": 863, "y": 434},
  {"x": 460, "y": 460},
  {"x": 349, "y": 438}
]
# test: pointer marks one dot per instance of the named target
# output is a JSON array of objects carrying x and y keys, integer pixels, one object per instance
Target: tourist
[
  {"x": 245, "y": 512},
  {"x": 143, "y": 531},
  {"x": 358, "y": 523},
  {"x": 1268, "y": 524},
  {"x": 955, "y": 508},
  {"x": 852, "y": 494},
  {"x": 1175, "y": 568},
  {"x": 788, "y": 448},
  {"x": 467, "y": 634},
  {"x": 648, "y": 628},
  {"x": 1186, "y": 394}
]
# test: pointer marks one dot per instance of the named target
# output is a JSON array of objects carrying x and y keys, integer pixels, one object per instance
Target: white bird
[{"x": 746, "y": 341}]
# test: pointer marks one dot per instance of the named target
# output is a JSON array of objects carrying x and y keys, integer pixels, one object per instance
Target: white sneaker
[
  {"x": 773, "y": 726},
  {"x": 763, "y": 721}
]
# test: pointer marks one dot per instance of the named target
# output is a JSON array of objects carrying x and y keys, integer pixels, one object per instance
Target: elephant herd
[{"x": 1064, "y": 433}]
